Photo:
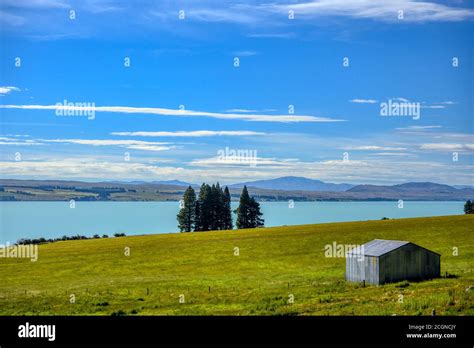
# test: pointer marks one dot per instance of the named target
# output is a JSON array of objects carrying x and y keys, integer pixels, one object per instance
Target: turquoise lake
[{"x": 55, "y": 219}]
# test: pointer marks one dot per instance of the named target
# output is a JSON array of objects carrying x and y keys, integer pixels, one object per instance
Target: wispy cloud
[
  {"x": 449, "y": 102},
  {"x": 238, "y": 110},
  {"x": 375, "y": 148},
  {"x": 201, "y": 133},
  {"x": 257, "y": 161},
  {"x": 36, "y": 4},
  {"x": 418, "y": 127},
  {"x": 245, "y": 53},
  {"x": 8, "y": 89},
  {"x": 272, "y": 35},
  {"x": 42, "y": 19},
  {"x": 405, "y": 100},
  {"x": 403, "y": 154},
  {"x": 433, "y": 107},
  {"x": 241, "y": 110},
  {"x": 18, "y": 140},
  {"x": 239, "y": 13},
  {"x": 384, "y": 10},
  {"x": 447, "y": 147},
  {"x": 363, "y": 101},
  {"x": 182, "y": 113},
  {"x": 130, "y": 144},
  {"x": 20, "y": 143},
  {"x": 376, "y": 170},
  {"x": 86, "y": 168}
]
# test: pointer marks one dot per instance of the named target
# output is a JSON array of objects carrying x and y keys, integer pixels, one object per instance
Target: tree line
[
  {"x": 469, "y": 207},
  {"x": 211, "y": 210},
  {"x": 42, "y": 240}
]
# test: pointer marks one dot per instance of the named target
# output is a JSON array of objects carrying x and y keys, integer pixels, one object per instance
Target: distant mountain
[
  {"x": 295, "y": 183},
  {"x": 413, "y": 191},
  {"x": 172, "y": 190},
  {"x": 461, "y": 187},
  {"x": 427, "y": 187},
  {"x": 158, "y": 182},
  {"x": 173, "y": 182}
]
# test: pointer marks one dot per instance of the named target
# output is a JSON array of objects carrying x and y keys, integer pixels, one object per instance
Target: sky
[{"x": 234, "y": 91}]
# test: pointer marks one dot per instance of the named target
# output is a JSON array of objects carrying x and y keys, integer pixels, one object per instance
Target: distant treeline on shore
[{"x": 25, "y": 241}]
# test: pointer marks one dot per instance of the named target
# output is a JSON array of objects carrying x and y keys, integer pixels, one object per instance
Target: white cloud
[
  {"x": 241, "y": 110},
  {"x": 240, "y": 14},
  {"x": 8, "y": 89},
  {"x": 201, "y": 133},
  {"x": 36, "y": 4},
  {"x": 418, "y": 127},
  {"x": 242, "y": 162},
  {"x": 245, "y": 53},
  {"x": 381, "y": 10},
  {"x": 150, "y": 147},
  {"x": 130, "y": 144},
  {"x": 102, "y": 142},
  {"x": 401, "y": 99},
  {"x": 86, "y": 168},
  {"x": 182, "y": 113},
  {"x": 273, "y": 35},
  {"x": 449, "y": 102},
  {"x": 18, "y": 142},
  {"x": 433, "y": 107},
  {"x": 375, "y": 148},
  {"x": 391, "y": 154},
  {"x": 363, "y": 101},
  {"x": 376, "y": 170},
  {"x": 447, "y": 147}
]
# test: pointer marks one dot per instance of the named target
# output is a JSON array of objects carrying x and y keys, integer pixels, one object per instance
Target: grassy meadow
[{"x": 273, "y": 267}]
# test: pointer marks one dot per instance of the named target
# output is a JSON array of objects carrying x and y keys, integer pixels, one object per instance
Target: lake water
[{"x": 55, "y": 219}]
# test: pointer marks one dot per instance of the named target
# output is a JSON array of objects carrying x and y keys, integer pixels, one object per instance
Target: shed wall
[
  {"x": 359, "y": 269},
  {"x": 408, "y": 262}
]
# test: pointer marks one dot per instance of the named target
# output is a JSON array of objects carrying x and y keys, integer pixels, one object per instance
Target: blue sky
[{"x": 77, "y": 50}]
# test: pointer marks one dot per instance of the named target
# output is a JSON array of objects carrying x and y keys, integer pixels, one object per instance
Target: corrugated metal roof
[{"x": 378, "y": 247}]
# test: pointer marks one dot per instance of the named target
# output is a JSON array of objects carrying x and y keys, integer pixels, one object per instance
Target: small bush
[
  {"x": 403, "y": 284},
  {"x": 102, "y": 304}
]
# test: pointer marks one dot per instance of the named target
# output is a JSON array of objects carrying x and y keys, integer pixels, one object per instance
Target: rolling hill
[
  {"x": 294, "y": 183},
  {"x": 214, "y": 278},
  {"x": 51, "y": 190}
]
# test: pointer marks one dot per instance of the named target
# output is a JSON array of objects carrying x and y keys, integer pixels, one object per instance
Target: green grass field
[{"x": 274, "y": 265}]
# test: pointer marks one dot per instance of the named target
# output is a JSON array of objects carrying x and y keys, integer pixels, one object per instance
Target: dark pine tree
[
  {"x": 255, "y": 215},
  {"x": 469, "y": 207},
  {"x": 197, "y": 214},
  {"x": 248, "y": 212},
  {"x": 215, "y": 207},
  {"x": 227, "y": 211},
  {"x": 205, "y": 208},
  {"x": 186, "y": 215},
  {"x": 220, "y": 200},
  {"x": 242, "y": 211}
]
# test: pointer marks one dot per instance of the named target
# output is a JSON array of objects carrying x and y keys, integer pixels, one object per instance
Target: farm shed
[{"x": 385, "y": 261}]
